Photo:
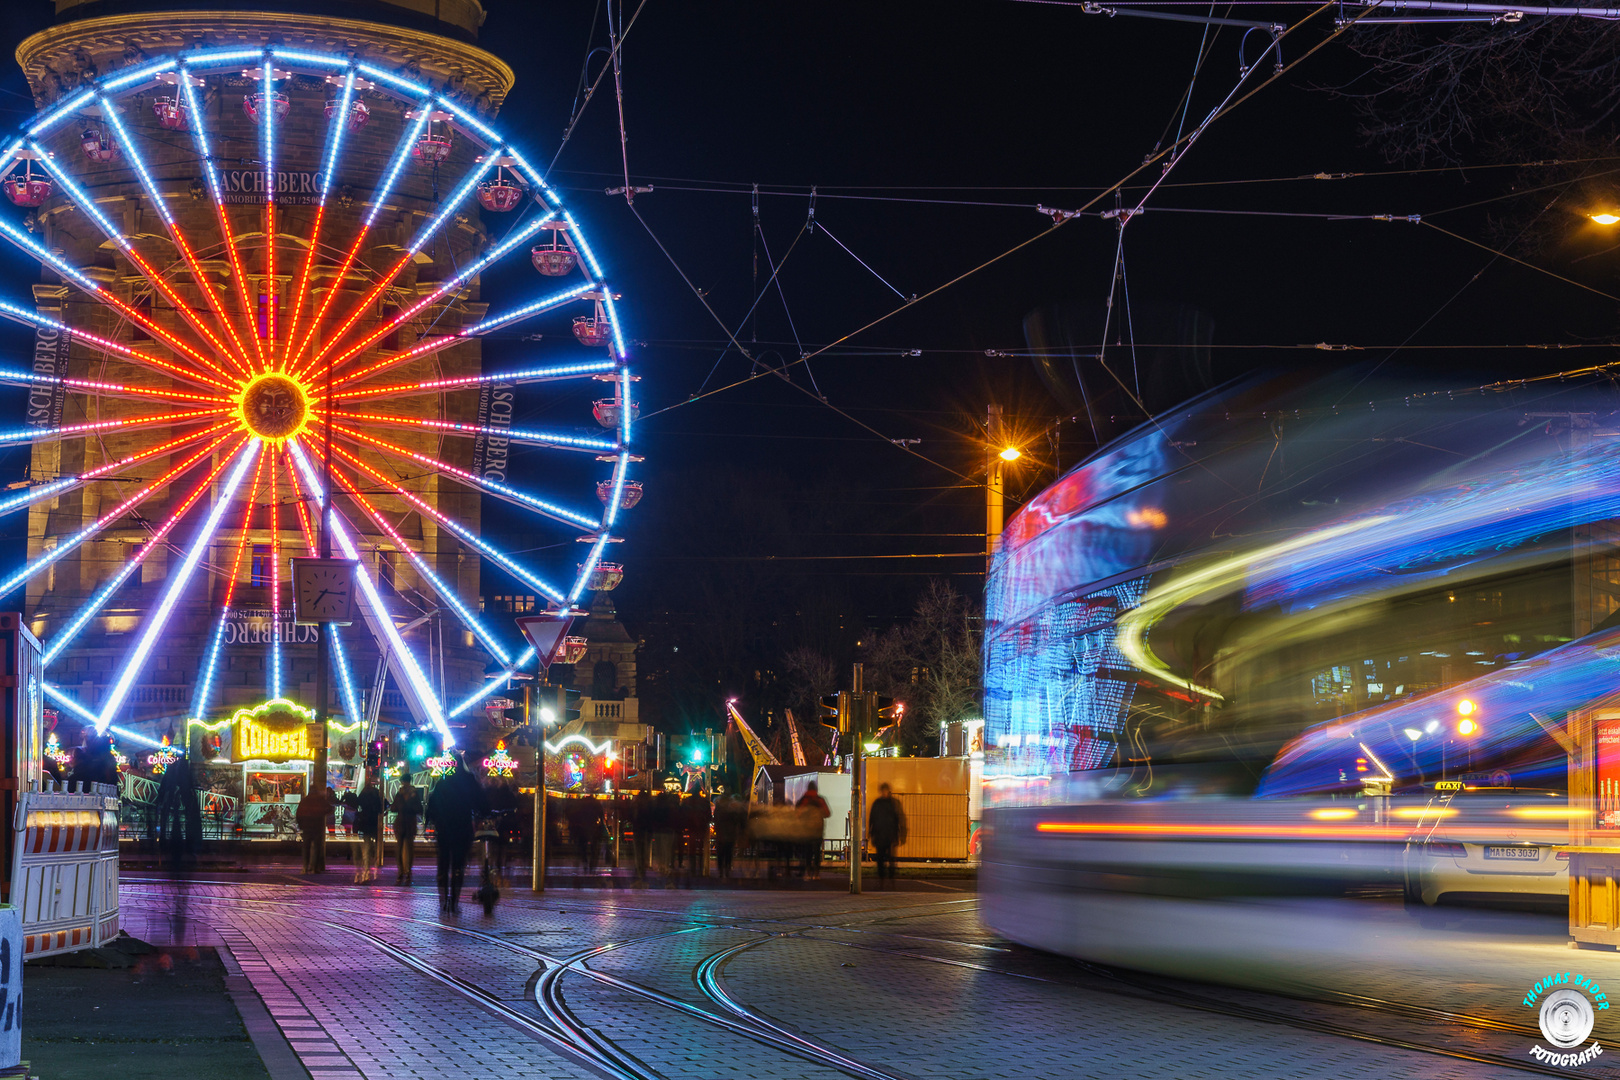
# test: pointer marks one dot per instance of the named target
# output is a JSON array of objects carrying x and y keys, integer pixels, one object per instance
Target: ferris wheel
[{"x": 238, "y": 310}]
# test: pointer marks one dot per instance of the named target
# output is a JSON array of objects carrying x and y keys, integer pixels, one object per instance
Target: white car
[{"x": 1489, "y": 846}]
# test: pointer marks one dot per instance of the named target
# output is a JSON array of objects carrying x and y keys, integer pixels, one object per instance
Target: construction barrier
[{"x": 64, "y": 871}]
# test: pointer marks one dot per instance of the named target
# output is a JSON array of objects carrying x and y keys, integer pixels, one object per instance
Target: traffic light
[
  {"x": 885, "y": 710},
  {"x": 1468, "y": 724},
  {"x": 551, "y": 705},
  {"x": 420, "y": 746},
  {"x": 830, "y": 710}
]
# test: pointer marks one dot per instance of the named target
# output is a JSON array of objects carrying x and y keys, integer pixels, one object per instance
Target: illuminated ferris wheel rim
[{"x": 232, "y": 384}]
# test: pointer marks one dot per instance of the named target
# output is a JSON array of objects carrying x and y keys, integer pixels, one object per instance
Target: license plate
[{"x": 1530, "y": 853}]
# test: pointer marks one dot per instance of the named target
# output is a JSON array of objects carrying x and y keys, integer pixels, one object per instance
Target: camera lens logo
[
  {"x": 1566, "y": 1018},
  {"x": 1569, "y": 1004}
]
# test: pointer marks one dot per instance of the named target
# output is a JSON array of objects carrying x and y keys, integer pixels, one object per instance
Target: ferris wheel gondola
[{"x": 218, "y": 402}]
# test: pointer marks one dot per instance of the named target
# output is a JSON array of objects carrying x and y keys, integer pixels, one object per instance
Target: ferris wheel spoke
[
  {"x": 233, "y": 251},
  {"x": 396, "y": 165},
  {"x": 445, "y": 593},
  {"x": 96, "y": 387},
  {"x": 557, "y": 440},
  {"x": 267, "y": 123},
  {"x": 131, "y": 149},
  {"x": 495, "y": 682},
  {"x": 501, "y": 491},
  {"x": 205, "y": 676},
  {"x": 153, "y": 276},
  {"x": 340, "y": 658},
  {"x": 378, "y": 617},
  {"x": 274, "y": 457},
  {"x": 63, "y": 547},
  {"x": 445, "y": 288},
  {"x": 461, "y": 531},
  {"x": 336, "y": 127},
  {"x": 55, "y": 488},
  {"x": 155, "y": 622},
  {"x": 27, "y": 435},
  {"x": 428, "y": 230},
  {"x": 122, "y": 351},
  {"x": 554, "y": 373},
  {"x": 64, "y": 637}
]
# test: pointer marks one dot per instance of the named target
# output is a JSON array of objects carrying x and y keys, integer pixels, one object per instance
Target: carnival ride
[{"x": 227, "y": 391}]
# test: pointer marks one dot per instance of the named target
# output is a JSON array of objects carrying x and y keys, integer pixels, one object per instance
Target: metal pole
[
  {"x": 323, "y": 672},
  {"x": 537, "y": 882},
  {"x": 994, "y": 488},
  {"x": 857, "y": 786}
]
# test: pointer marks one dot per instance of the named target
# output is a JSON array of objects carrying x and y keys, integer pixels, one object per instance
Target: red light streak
[
  {"x": 421, "y": 348},
  {"x": 301, "y": 292},
  {"x": 360, "y": 309},
  {"x": 163, "y": 448},
  {"x": 1278, "y": 831},
  {"x": 104, "y": 425},
  {"x": 163, "y": 286},
  {"x": 146, "y": 391},
  {"x": 326, "y": 303},
  {"x": 197, "y": 274}
]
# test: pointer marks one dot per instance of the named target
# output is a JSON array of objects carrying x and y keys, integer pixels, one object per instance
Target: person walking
[
  {"x": 641, "y": 816},
  {"x": 666, "y": 815},
  {"x": 696, "y": 813},
  {"x": 311, "y": 817},
  {"x": 815, "y": 808},
  {"x": 886, "y": 825},
  {"x": 368, "y": 813},
  {"x": 179, "y": 815},
  {"x": 450, "y": 809},
  {"x": 407, "y": 812},
  {"x": 730, "y": 815},
  {"x": 94, "y": 762}
]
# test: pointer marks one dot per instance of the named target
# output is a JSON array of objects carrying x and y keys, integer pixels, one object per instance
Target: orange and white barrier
[{"x": 64, "y": 872}]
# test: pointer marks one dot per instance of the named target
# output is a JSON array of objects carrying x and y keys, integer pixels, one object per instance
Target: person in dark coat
[
  {"x": 814, "y": 808},
  {"x": 641, "y": 817},
  {"x": 94, "y": 763},
  {"x": 407, "y": 812},
  {"x": 730, "y": 819},
  {"x": 368, "y": 823},
  {"x": 179, "y": 812},
  {"x": 451, "y": 807},
  {"x": 311, "y": 817},
  {"x": 886, "y": 825},
  {"x": 696, "y": 813}
]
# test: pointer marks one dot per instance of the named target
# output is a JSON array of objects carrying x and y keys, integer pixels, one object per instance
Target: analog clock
[{"x": 323, "y": 591}]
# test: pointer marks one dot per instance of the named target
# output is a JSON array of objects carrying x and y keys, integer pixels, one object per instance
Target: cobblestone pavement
[{"x": 373, "y": 982}]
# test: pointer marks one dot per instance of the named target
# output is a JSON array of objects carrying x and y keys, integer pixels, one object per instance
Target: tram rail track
[{"x": 586, "y": 1044}]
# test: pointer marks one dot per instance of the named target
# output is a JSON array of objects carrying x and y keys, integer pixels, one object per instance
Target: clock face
[{"x": 325, "y": 591}]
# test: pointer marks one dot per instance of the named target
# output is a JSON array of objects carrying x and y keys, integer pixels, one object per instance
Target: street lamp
[
  {"x": 1605, "y": 218},
  {"x": 1012, "y": 453}
]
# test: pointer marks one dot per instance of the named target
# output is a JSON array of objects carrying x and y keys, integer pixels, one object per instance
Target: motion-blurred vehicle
[{"x": 1489, "y": 845}]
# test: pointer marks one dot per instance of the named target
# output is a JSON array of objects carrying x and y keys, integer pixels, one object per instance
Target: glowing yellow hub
[{"x": 273, "y": 406}]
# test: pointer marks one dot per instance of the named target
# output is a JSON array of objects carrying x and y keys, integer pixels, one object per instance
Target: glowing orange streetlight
[
  {"x": 1605, "y": 218},
  {"x": 1012, "y": 453}
]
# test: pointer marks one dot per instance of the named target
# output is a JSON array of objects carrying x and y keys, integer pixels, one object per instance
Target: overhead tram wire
[{"x": 1057, "y": 224}]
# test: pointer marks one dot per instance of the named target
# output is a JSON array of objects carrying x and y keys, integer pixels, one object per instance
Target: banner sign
[
  {"x": 491, "y": 452},
  {"x": 294, "y": 187},
  {"x": 45, "y": 398}
]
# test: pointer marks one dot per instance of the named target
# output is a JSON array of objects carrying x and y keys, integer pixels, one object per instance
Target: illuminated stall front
[{"x": 264, "y": 757}]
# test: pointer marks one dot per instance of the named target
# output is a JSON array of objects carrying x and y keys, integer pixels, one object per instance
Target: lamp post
[{"x": 1001, "y": 454}]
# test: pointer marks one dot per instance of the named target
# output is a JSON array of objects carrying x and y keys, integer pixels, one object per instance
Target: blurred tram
[{"x": 1274, "y": 643}]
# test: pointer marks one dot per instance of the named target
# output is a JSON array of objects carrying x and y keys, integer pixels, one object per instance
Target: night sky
[{"x": 931, "y": 131}]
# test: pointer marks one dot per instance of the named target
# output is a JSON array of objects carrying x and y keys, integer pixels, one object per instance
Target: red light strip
[
  {"x": 105, "y": 425},
  {"x": 145, "y": 391},
  {"x": 186, "y": 312},
  {"x": 393, "y": 485},
  {"x": 239, "y": 272},
  {"x": 421, "y": 348},
  {"x": 172, "y": 444},
  {"x": 129, "y": 312},
  {"x": 1267, "y": 832},
  {"x": 360, "y": 309},
  {"x": 298, "y": 501},
  {"x": 275, "y": 547},
  {"x": 301, "y": 292},
  {"x": 199, "y": 276},
  {"x": 138, "y": 357},
  {"x": 241, "y": 543},
  {"x": 326, "y": 303}
]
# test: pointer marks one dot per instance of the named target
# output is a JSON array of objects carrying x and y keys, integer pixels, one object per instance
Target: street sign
[{"x": 546, "y": 633}]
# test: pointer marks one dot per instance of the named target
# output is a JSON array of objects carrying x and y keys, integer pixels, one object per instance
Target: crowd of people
[{"x": 667, "y": 833}]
